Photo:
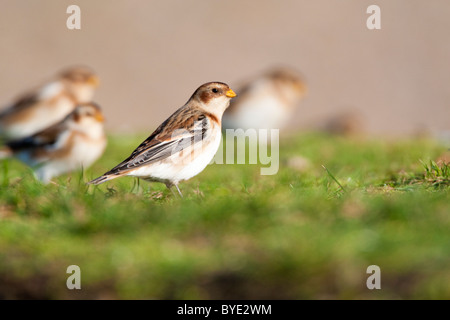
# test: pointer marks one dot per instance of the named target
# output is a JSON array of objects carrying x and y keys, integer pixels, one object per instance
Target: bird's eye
[{"x": 215, "y": 90}]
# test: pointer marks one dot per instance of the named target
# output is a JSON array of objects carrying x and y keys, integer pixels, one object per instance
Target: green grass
[{"x": 306, "y": 233}]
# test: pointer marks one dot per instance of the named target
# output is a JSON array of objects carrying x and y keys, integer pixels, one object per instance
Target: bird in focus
[
  {"x": 183, "y": 145},
  {"x": 266, "y": 102},
  {"x": 48, "y": 104},
  {"x": 74, "y": 143}
]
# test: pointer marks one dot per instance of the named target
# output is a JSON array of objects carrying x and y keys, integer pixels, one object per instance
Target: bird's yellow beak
[
  {"x": 94, "y": 81},
  {"x": 301, "y": 87},
  {"x": 230, "y": 94},
  {"x": 99, "y": 117}
]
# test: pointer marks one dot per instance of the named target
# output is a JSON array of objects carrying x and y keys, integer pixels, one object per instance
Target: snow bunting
[
  {"x": 183, "y": 145},
  {"x": 49, "y": 104},
  {"x": 74, "y": 143},
  {"x": 267, "y": 102}
]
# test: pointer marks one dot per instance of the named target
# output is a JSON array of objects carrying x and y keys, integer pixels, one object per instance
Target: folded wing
[{"x": 164, "y": 142}]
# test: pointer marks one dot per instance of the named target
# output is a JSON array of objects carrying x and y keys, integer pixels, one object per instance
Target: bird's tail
[
  {"x": 5, "y": 152},
  {"x": 104, "y": 178}
]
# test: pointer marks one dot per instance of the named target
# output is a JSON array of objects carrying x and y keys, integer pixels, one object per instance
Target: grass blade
[{"x": 333, "y": 177}]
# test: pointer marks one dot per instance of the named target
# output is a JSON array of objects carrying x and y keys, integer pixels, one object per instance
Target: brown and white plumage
[
  {"x": 266, "y": 102},
  {"x": 48, "y": 104},
  {"x": 183, "y": 145},
  {"x": 72, "y": 144}
]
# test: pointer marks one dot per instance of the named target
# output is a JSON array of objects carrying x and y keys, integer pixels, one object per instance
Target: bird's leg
[
  {"x": 149, "y": 187},
  {"x": 176, "y": 185},
  {"x": 169, "y": 185},
  {"x": 173, "y": 192}
]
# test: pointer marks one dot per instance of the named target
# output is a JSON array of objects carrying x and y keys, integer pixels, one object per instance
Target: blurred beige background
[{"x": 152, "y": 55}]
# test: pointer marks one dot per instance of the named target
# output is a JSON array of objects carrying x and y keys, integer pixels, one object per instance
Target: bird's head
[
  {"x": 213, "y": 97},
  {"x": 288, "y": 81},
  {"x": 80, "y": 82},
  {"x": 87, "y": 117}
]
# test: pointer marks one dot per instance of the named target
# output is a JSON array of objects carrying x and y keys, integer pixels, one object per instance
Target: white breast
[
  {"x": 85, "y": 152},
  {"x": 266, "y": 112},
  {"x": 174, "y": 169},
  {"x": 82, "y": 155}
]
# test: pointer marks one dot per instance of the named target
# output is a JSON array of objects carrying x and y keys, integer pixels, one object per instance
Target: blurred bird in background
[
  {"x": 48, "y": 104},
  {"x": 74, "y": 143},
  {"x": 266, "y": 102}
]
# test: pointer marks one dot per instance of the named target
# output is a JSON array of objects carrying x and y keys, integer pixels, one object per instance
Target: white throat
[{"x": 216, "y": 106}]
